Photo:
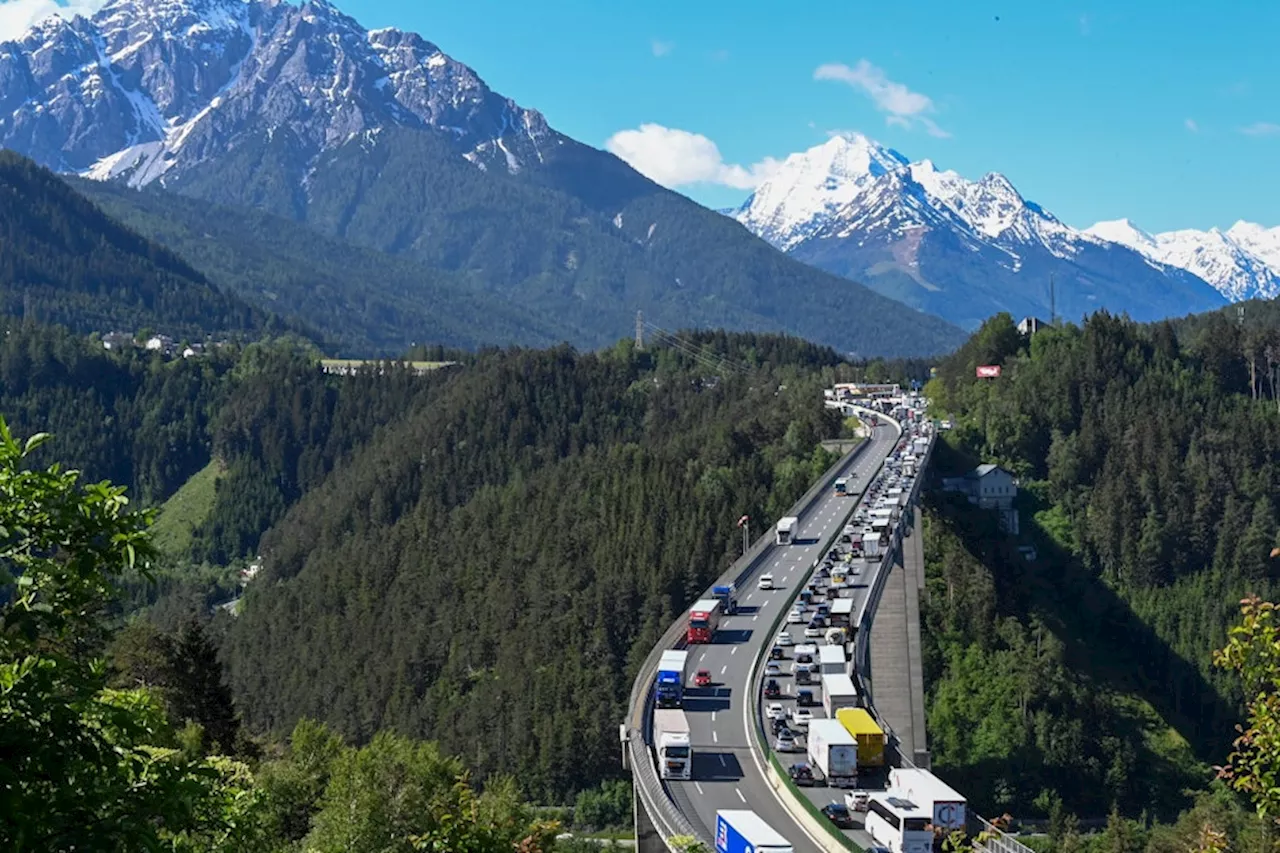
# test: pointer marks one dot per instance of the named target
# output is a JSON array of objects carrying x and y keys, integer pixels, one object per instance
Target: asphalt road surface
[{"x": 726, "y": 772}]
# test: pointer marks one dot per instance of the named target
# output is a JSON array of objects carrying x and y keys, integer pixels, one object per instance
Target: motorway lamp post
[{"x": 745, "y": 524}]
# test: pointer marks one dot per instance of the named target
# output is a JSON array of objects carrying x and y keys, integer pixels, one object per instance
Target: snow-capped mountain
[
  {"x": 955, "y": 247},
  {"x": 149, "y": 89},
  {"x": 1242, "y": 262}
]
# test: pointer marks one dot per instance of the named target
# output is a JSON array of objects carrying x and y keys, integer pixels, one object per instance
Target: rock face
[
  {"x": 147, "y": 90},
  {"x": 957, "y": 248}
]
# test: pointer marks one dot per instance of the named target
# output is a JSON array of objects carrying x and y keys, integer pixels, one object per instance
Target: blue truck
[
  {"x": 669, "y": 683},
  {"x": 728, "y": 594},
  {"x": 742, "y": 831}
]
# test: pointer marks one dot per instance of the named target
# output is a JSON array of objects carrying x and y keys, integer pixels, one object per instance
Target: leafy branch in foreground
[{"x": 1253, "y": 653}]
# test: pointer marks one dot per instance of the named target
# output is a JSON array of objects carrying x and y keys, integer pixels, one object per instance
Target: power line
[{"x": 704, "y": 356}]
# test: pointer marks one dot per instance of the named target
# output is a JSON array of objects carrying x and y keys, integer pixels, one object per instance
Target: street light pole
[{"x": 745, "y": 524}]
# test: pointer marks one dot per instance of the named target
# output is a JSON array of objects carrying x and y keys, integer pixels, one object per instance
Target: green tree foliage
[
  {"x": 1148, "y": 480},
  {"x": 62, "y": 260},
  {"x": 1252, "y": 653},
  {"x": 86, "y": 767},
  {"x": 606, "y": 807},
  {"x": 491, "y": 566}
]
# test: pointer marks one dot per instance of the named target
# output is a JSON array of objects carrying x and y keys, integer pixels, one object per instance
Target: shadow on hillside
[{"x": 1104, "y": 639}]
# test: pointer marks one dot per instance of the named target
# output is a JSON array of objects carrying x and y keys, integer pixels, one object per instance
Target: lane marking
[
  {"x": 733, "y": 651},
  {"x": 699, "y": 787},
  {"x": 738, "y": 791},
  {"x": 723, "y": 761},
  {"x": 715, "y": 738},
  {"x": 723, "y": 668},
  {"x": 713, "y": 716}
]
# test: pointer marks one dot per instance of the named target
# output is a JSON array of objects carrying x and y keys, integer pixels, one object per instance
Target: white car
[
  {"x": 812, "y": 632},
  {"x": 796, "y": 616},
  {"x": 765, "y": 582},
  {"x": 856, "y": 801},
  {"x": 784, "y": 743},
  {"x": 784, "y": 640},
  {"x": 772, "y": 669},
  {"x": 775, "y": 711},
  {"x": 800, "y": 718}
]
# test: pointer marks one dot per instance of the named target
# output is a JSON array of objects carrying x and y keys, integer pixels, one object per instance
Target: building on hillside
[
  {"x": 161, "y": 343},
  {"x": 117, "y": 341},
  {"x": 1028, "y": 326},
  {"x": 990, "y": 487}
]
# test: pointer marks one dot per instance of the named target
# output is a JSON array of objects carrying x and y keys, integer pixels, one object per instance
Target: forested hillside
[
  {"x": 365, "y": 302},
  {"x": 62, "y": 260},
  {"x": 490, "y": 568},
  {"x": 1148, "y": 487}
]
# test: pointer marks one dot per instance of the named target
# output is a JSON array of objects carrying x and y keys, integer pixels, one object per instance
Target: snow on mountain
[
  {"x": 1242, "y": 263},
  {"x": 953, "y": 246},
  {"x": 147, "y": 89}
]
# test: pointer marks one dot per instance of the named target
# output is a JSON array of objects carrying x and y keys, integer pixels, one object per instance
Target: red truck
[{"x": 704, "y": 618}]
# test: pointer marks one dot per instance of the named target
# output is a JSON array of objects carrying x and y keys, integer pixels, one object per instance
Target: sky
[{"x": 1167, "y": 114}]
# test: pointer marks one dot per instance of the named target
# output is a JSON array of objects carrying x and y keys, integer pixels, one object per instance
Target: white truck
[
  {"x": 671, "y": 744},
  {"x": 871, "y": 546},
  {"x": 831, "y": 660},
  {"x": 838, "y": 691},
  {"x": 930, "y": 793},
  {"x": 833, "y": 751},
  {"x": 787, "y": 529}
]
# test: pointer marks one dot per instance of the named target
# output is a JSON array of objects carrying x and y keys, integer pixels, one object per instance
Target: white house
[{"x": 990, "y": 487}]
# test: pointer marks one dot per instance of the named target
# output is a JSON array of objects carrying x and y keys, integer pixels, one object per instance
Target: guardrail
[{"x": 667, "y": 819}]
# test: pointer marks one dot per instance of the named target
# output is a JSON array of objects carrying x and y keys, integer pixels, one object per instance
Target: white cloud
[
  {"x": 17, "y": 16},
  {"x": 1190, "y": 124},
  {"x": 662, "y": 48},
  {"x": 1261, "y": 128},
  {"x": 905, "y": 108},
  {"x": 676, "y": 158}
]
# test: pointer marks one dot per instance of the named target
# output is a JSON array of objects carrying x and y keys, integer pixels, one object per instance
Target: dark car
[
  {"x": 804, "y": 698},
  {"x": 771, "y": 689},
  {"x": 839, "y": 814},
  {"x": 777, "y": 725},
  {"x": 776, "y": 653},
  {"x": 804, "y": 676},
  {"x": 801, "y": 774}
]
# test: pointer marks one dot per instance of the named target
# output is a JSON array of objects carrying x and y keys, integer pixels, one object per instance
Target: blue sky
[{"x": 1168, "y": 114}]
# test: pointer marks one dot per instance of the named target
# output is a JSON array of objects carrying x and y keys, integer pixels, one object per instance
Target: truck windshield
[
  {"x": 698, "y": 623},
  {"x": 915, "y": 824},
  {"x": 677, "y": 752}
]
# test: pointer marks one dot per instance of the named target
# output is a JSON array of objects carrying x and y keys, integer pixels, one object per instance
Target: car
[
  {"x": 772, "y": 669},
  {"x": 777, "y": 653},
  {"x": 804, "y": 676},
  {"x": 771, "y": 689},
  {"x": 784, "y": 640},
  {"x": 785, "y": 741},
  {"x": 813, "y": 630},
  {"x": 804, "y": 654},
  {"x": 775, "y": 711},
  {"x": 801, "y": 717},
  {"x": 823, "y": 610},
  {"x": 796, "y": 616},
  {"x": 801, "y": 774},
  {"x": 856, "y": 801},
  {"x": 776, "y": 726},
  {"x": 702, "y": 678},
  {"x": 839, "y": 815},
  {"x": 806, "y": 595},
  {"x": 805, "y": 697},
  {"x": 765, "y": 582}
]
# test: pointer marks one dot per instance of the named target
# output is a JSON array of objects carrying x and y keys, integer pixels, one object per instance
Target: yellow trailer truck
[{"x": 870, "y": 737}]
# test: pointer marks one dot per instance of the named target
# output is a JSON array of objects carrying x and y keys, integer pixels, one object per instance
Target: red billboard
[{"x": 988, "y": 371}]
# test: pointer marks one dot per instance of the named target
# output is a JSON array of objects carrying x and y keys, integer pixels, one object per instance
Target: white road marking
[
  {"x": 739, "y": 793},
  {"x": 713, "y": 716},
  {"x": 723, "y": 762},
  {"x": 715, "y": 738},
  {"x": 699, "y": 787},
  {"x": 733, "y": 651},
  {"x": 723, "y": 668}
]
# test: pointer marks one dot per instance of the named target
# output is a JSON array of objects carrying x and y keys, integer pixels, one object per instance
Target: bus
[
  {"x": 704, "y": 618},
  {"x": 899, "y": 824},
  {"x": 842, "y": 486}
]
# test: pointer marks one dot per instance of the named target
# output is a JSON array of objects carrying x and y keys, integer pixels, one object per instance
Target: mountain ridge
[
  {"x": 961, "y": 249},
  {"x": 380, "y": 139}
]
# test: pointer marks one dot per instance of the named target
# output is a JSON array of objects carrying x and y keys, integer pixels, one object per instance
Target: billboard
[{"x": 988, "y": 371}]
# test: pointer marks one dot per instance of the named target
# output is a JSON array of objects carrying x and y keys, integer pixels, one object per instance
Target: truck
[
  {"x": 704, "y": 618},
  {"x": 671, "y": 744},
  {"x": 831, "y": 660},
  {"x": 743, "y": 831},
  {"x": 728, "y": 597},
  {"x": 833, "y": 751},
  {"x": 838, "y": 691},
  {"x": 669, "y": 683},
  {"x": 787, "y": 529},
  {"x": 871, "y": 548},
  {"x": 842, "y": 486},
  {"x": 863, "y": 728},
  {"x": 930, "y": 793}
]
